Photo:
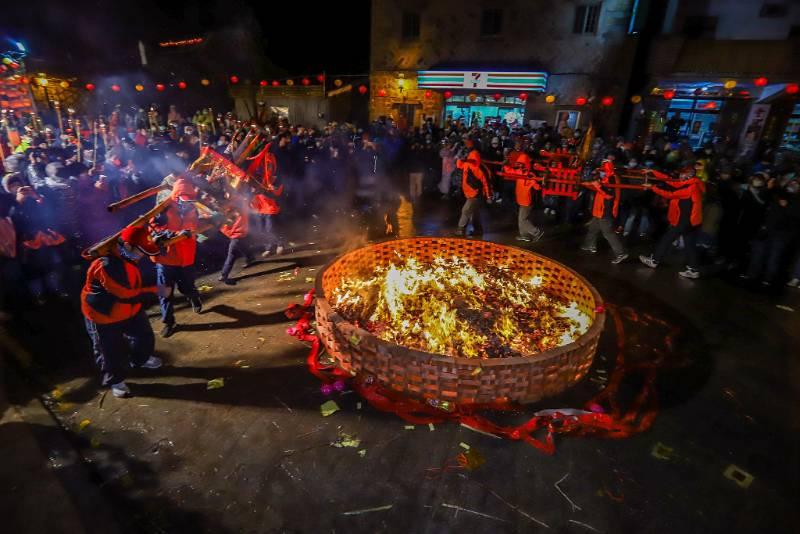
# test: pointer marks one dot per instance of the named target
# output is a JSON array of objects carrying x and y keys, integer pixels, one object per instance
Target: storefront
[
  {"x": 480, "y": 109},
  {"x": 743, "y": 110},
  {"x": 791, "y": 133},
  {"x": 695, "y": 119},
  {"x": 480, "y": 97}
]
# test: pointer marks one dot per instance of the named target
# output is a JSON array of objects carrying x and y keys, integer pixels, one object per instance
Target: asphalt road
[{"x": 255, "y": 455}]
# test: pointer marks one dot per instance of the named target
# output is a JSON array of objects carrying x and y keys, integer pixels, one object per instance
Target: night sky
[{"x": 101, "y": 35}]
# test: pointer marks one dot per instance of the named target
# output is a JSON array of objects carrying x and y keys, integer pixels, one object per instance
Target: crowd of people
[
  {"x": 726, "y": 213},
  {"x": 742, "y": 214}
]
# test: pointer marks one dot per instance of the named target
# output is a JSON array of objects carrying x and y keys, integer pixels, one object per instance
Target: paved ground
[{"x": 255, "y": 455}]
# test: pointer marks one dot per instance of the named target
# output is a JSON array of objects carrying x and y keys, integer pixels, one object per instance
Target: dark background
[{"x": 250, "y": 38}]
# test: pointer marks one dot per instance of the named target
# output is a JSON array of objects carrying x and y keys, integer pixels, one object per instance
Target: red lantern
[
  {"x": 160, "y": 87},
  {"x": 669, "y": 94},
  {"x": 234, "y": 79},
  {"x": 382, "y": 92},
  {"x": 321, "y": 78},
  {"x": 581, "y": 101},
  {"x": 362, "y": 89},
  {"x": 3, "y": 68},
  {"x": 523, "y": 96},
  {"x": 761, "y": 81},
  {"x": 607, "y": 101},
  {"x": 275, "y": 83},
  {"x": 13, "y": 65},
  {"x": 428, "y": 93},
  {"x": 791, "y": 88},
  {"x": 181, "y": 85},
  {"x": 305, "y": 81},
  {"x": 89, "y": 87},
  {"x": 263, "y": 83},
  {"x": 116, "y": 88},
  {"x": 448, "y": 94},
  {"x": 497, "y": 97}
]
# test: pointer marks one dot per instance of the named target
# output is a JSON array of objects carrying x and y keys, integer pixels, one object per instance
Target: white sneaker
[
  {"x": 689, "y": 273},
  {"x": 153, "y": 362},
  {"x": 265, "y": 253},
  {"x": 794, "y": 282},
  {"x": 120, "y": 390},
  {"x": 279, "y": 250},
  {"x": 619, "y": 259},
  {"x": 649, "y": 261}
]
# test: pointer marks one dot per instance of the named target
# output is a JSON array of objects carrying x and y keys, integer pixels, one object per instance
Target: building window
[
  {"x": 586, "y": 18},
  {"x": 492, "y": 22},
  {"x": 410, "y": 25},
  {"x": 773, "y": 10},
  {"x": 700, "y": 27}
]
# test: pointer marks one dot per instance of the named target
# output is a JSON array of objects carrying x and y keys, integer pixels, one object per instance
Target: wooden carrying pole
[
  {"x": 104, "y": 247},
  {"x": 133, "y": 199}
]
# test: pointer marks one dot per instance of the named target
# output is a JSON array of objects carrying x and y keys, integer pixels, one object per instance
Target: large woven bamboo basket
[{"x": 432, "y": 376}]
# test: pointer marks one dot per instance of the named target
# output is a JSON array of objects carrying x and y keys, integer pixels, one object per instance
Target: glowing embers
[{"x": 452, "y": 307}]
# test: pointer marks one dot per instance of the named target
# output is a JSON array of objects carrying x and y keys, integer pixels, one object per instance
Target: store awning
[{"x": 482, "y": 80}]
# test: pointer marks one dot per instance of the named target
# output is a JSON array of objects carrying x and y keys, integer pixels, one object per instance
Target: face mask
[
  {"x": 757, "y": 184},
  {"x": 793, "y": 188}
]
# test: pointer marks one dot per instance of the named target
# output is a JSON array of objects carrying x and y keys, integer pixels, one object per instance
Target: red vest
[
  {"x": 111, "y": 280},
  {"x": 182, "y": 253}
]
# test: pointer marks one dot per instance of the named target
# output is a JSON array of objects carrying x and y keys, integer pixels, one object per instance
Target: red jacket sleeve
[
  {"x": 600, "y": 191},
  {"x": 682, "y": 193}
]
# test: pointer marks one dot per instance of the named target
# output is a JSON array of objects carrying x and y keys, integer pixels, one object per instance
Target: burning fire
[{"x": 452, "y": 307}]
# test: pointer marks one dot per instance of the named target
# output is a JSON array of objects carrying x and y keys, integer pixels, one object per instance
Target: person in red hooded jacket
[
  {"x": 236, "y": 229},
  {"x": 519, "y": 165},
  {"x": 604, "y": 210},
  {"x": 111, "y": 303},
  {"x": 476, "y": 188},
  {"x": 685, "y": 215},
  {"x": 175, "y": 267}
]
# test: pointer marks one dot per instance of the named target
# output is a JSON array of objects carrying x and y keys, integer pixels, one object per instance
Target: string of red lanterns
[{"x": 606, "y": 101}]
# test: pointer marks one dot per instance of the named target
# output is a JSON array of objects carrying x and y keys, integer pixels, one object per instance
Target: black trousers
[
  {"x": 689, "y": 234},
  {"x": 118, "y": 346}
]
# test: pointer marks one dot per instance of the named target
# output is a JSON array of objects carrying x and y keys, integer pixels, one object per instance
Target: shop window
[
  {"x": 773, "y": 10},
  {"x": 700, "y": 27},
  {"x": 491, "y": 22},
  {"x": 681, "y": 103},
  {"x": 410, "y": 26},
  {"x": 586, "y": 18},
  {"x": 708, "y": 105}
]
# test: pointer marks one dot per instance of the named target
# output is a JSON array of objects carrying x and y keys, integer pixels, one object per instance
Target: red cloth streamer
[{"x": 615, "y": 424}]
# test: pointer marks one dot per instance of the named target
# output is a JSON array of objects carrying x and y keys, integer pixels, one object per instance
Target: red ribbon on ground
[{"x": 615, "y": 423}]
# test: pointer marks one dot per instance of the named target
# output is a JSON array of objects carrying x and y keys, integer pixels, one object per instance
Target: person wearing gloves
[{"x": 111, "y": 303}]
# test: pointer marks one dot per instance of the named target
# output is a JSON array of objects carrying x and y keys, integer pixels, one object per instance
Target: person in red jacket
[
  {"x": 519, "y": 165},
  {"x": 111, "y": 302},
  {"x": 604, "y": 210},
  {"x": 175, "y": 267},
  {"x": 685, "y": 214},
  {"x": 236, "y": 229},
  {"x": 475, "y": 185},
  {"x": 267, "y": 210}
]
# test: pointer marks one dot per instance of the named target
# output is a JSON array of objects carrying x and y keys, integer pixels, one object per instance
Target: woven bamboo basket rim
[{"x": 594, "y": 330}]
